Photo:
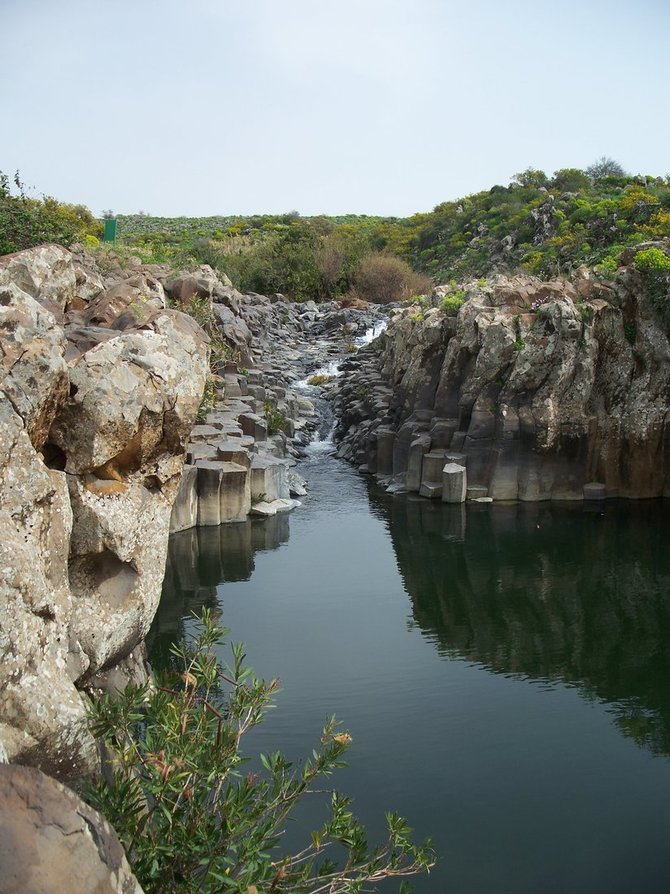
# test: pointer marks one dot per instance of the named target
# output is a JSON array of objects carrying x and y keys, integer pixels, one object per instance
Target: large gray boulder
[{"x": 52, "y": 841}]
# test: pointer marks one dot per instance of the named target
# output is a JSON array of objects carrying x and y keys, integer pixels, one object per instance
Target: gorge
[{"x": 501, "y": 662}]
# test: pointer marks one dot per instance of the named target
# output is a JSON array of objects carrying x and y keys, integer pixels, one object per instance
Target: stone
[
  {"x": 454, "y": 483},
  {"x": 52, "y": 841},
  {"x": 185, "y": 507},
  {"x": 269, "y": 479},
  {"x": 476, "y": 491},
  {"x": 594, "y": 491},
  {"x": 209, "y": 477},
  {"x": 234, "y": 452},
  {"x": 32, "y": 359},
  {"x": 267, "y": 509},
  {"x": 418, "y": 448},
  {"x": 442, "y": 431},
  {"x": 253, "y": 426},
  {"x": 433, "y": 463},
  {"x": 126, "y": 304},
  {"x": 385, "y": 442},
  {"x": 45, "y": 273},
  {"x": 431, "y": 489},
  {"x": 235, "y": 493}
]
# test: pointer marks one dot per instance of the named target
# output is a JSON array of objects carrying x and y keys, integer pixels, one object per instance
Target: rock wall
[
  {"x": 538, "y": 390},
  {"x": 52, "y": 841},
  {"x": 100, "y": 389},
  {"x": 101, "y": 386}
]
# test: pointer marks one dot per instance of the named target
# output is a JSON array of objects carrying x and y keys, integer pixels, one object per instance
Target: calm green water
[{"x": 504, "y": 671}]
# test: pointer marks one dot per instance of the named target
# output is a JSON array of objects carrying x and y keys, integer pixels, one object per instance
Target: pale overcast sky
[{"x": 201, "y": 107}]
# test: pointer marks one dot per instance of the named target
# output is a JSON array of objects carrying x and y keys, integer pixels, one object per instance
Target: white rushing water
[{"x": 322, "y": 441}]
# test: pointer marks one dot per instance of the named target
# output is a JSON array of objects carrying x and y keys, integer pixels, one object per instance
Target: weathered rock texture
[
  {"x": 52, "y": 841},
  {"x": 540, "y": 388},
  {"x": 95, "y": 415}
]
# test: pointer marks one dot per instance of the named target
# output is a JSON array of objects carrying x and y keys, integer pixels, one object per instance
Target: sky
[{"x": 203, "y": 107}]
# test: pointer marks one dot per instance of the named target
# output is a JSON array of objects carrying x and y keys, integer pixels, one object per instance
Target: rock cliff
[
  {"x": 100, "y": 389},
  {"x": 539, "y": 390}
]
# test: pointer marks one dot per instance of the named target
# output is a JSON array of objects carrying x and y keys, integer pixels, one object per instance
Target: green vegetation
[
  {"x": 654, "y": 265},
  {"x": 192, "y": 818},
  {"x": 276, "y": 419},
  {"x": 545, "y": 225},
  {"x": 453, "y": 302},
  {"x": 26, "y": 221}
]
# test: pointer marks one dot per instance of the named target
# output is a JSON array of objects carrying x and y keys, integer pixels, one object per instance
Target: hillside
[{"x": 536, "y": 224}]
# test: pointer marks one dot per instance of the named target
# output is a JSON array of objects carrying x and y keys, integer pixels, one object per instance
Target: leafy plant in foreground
[{"x": 192, "y": 819}]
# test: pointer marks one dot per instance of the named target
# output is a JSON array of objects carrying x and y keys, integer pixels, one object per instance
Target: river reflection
[
  {"x": 486, "y": 659},
  {"x": 576, "y": 593},
  {"x": 198, "y": 561}
]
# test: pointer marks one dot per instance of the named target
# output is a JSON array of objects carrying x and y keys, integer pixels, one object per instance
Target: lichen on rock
[{"x": 94, "y": 422}]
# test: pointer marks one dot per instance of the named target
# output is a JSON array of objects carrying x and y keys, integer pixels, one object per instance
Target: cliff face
[
  {"x": 538, "y": 388},
  {"x": 100, "y": 389}
]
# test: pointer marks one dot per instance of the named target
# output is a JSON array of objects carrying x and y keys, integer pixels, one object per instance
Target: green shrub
[
  {"x": 654, "y": 265},
  {"x": 276, "y": 419},
  {"x": 189, "y": 816},
  {"x": 208, "y": 400},
  {"x": 652, "y": 259},
  {"x": 453, "y": 302},
  {"x": 26, "y": 222}
]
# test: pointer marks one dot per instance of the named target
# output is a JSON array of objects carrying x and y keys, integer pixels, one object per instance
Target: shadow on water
[
  {"x": 198, "y": 561},
  {"x": 550, "y": 592}
]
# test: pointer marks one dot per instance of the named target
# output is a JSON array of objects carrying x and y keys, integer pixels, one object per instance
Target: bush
[
  {"x": 26, "y": 222},
  {"x": 654, "y": 265},
  {"x": 192, "y": 820},
  {"x": 453, "y": 302},
  {"x": 276, "y": 419},
  {"x": 384, "y": 279}
]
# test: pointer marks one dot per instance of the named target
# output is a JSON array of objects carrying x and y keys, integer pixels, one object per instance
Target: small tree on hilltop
[{"x": 605, "y": 167}]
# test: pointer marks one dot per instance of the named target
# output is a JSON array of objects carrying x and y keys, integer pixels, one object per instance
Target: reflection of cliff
[
  {"x": 549, "y": 592},
  {"x": 198, "y": 560}
]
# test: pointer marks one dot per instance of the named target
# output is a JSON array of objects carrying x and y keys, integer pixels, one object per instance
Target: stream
[{"x": 504, "y": 671}]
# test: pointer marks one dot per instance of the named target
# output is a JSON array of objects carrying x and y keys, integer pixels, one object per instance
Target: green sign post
[{"x": 110, "y": 230}]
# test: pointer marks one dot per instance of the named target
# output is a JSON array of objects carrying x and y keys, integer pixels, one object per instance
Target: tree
[
  {"x": 531, "y": 177},
  {"x": 605, "y": 167},
  {"x": 570, "y": 180},
  {"x": 188, "y": 816}
]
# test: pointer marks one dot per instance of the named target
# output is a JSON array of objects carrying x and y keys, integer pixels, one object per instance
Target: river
[{"x": 504, "y": 671}]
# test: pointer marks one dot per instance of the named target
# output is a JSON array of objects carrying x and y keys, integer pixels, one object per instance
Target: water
[{"x": 504, "y": 671}]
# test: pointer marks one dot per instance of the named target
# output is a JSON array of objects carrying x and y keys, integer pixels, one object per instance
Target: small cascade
[{"x": 322, "y": 442}]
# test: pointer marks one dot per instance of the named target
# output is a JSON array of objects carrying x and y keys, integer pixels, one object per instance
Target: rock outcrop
[
  {"x": 52, "y": 841},
  {"x": 101, "y": 385},
  {"x": 539, "y": 390},
  {"x": 96, "y": 407}
]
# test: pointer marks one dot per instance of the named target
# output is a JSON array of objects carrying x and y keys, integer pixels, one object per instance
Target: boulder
[
  {"x": 454, "y": 483},
  {"x": 46, "y": 273},
  {"x": 52, "y": 841}
]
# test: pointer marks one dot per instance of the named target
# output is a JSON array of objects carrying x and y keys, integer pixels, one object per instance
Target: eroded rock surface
[
  {"x": 542, "y": 388},
  {"x": 52, "y": 841},
  {"x": 93, "y": 433}
]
